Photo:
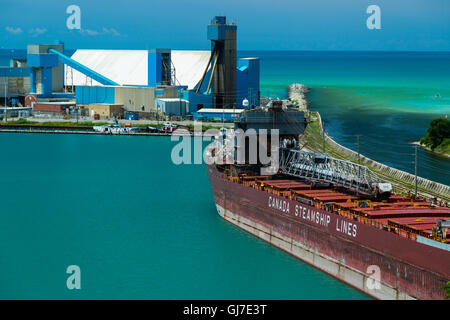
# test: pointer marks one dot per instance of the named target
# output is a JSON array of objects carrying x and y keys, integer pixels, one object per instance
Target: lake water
[
  {"x": 138, "y": 226},
  {"x": 141, "y": 227}
]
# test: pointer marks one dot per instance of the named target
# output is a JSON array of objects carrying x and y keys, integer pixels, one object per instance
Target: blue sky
[{"x": 409, "y": 25}]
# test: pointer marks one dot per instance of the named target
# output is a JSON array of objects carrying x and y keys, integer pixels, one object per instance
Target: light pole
[
  {"x": 323, "y": 135},
  {"x": 415, "y": 173},
  {"x": 5, "y": 112}
]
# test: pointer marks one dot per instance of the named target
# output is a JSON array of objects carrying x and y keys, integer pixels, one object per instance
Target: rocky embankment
[{"x": 297, "y": 94}]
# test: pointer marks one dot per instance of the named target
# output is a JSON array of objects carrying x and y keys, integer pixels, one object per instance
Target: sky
[{"x": 406, "y": 25}]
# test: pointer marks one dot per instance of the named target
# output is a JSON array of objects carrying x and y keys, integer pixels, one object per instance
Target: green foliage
[
  {"x": 20, "y": 121},
  {"x": 444, "y": 147},
  {"x": 26, "y": 123},
  {"x": 437, "y": 134},
  {"x": 61, "y": 124},
  {"x": 446, "y": 288}
]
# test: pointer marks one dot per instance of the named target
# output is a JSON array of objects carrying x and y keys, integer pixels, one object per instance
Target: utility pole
[
  {"x": 179, "y": 97},
  {"x": 359, "y": 156},
  {"x": 323, "y": 136},
  {"x": 5, "y": 112},
  {"x": 415, "y": 172}
]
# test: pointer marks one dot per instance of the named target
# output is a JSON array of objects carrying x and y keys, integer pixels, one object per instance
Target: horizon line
[{"x": 262, "y": 50}]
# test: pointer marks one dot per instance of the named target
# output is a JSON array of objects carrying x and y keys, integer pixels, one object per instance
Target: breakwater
[{"x": 297, "y": 93}]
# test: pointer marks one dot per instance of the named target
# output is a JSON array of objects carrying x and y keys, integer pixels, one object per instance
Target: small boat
[
  {"x": 153, "y": 129},
  {"x": 116, "y": 129},
  {"x": 169, "y": 127}
]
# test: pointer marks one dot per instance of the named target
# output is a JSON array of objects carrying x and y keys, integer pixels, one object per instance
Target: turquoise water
[
  {"x": 387, "y": 98},
  {"x": 138, "y": 227}
]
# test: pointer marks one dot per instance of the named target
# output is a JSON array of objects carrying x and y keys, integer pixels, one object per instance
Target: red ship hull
[{"x": 344, "y": 248}]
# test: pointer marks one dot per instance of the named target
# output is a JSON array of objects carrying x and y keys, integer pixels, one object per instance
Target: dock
[{"x": 91, "y": 131}]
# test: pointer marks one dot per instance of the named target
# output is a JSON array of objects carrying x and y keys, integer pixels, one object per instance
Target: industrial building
[
  {"x": 112, "y": 83},
  {"x": 136, "y": 99},
  {"x": 108, "y": 111},
  {"x": 53, "y": 107},
  {"x": 172, "y": 106},
  {"x": 218, "y": 114}
]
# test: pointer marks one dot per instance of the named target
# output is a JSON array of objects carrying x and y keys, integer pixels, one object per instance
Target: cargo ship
[{"x": 332, "y": 214}]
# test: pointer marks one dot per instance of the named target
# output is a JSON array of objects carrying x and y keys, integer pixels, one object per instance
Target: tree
[
  {"x": 438, "y": 131},
  {"x": 446, "y": 288}
]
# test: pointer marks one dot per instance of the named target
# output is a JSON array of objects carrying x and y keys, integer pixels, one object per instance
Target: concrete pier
[{"x": 297, "y": 93}]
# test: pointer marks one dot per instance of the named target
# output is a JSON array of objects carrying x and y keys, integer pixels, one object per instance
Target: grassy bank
[
  {"x": 443, "y": 148},
  {"x": 28, "y": 123},
  {"x": 313, "y": 141}
]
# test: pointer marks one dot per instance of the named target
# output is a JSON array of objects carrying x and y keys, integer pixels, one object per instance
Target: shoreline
[
  {"x": 88, "y": 130},
  {"x": 87, "y": 127},
  {"x": 403, "y": 182},
  {"x": 442, "y": 154},
  {"x": 177, "y": 134}
]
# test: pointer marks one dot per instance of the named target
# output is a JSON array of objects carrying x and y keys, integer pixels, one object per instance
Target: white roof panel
[
  {"x": 189, "y": 66},
  {"x": 130, "y": 67},
  {"x": 126, "y": 67}
]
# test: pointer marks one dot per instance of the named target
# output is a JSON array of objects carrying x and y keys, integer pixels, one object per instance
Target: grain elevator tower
[{"x": 223, "y": 59}]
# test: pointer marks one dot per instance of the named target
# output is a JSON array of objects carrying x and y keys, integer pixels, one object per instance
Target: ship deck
[{"x": 399, "y": 214}]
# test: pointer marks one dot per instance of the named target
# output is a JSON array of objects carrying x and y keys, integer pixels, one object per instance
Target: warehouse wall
[
  {"x": 142, "y": 99},
  {"x": 197, "y": 101},
  {"x": 94, "y": 95},
  {"x": 172, "y": 106},
  {"x": 15, "y": 85},
  {"x": 105, "y": 110},
  {"x": 247, "y": 81},
  {"x": 134, "y": 99}
]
